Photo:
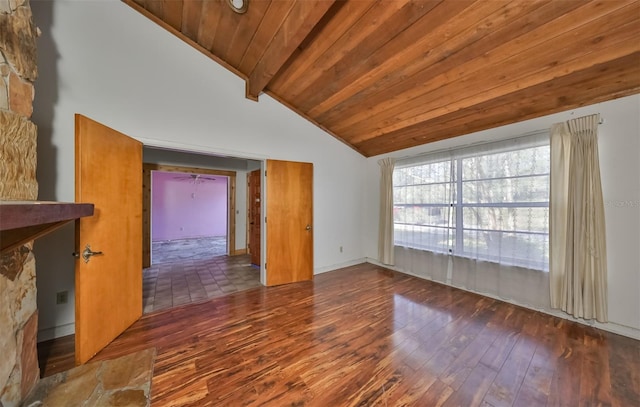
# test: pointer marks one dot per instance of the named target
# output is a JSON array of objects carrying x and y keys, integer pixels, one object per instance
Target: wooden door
[
  {"x": 109, "y": 285},
  {"x": 253, "y": 184},
  {"x": 289, "y": 222}
]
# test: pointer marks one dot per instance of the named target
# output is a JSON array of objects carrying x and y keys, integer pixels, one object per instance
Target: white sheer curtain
[
  {"x": 503, "y": 249},
  {"x": 385, "y": 233},
  {"x": 578, "y": 264},
  {"x": 477, "y": 218}
]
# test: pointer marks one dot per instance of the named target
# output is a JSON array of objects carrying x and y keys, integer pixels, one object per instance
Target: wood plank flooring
[{"x": 366, "y": 336}]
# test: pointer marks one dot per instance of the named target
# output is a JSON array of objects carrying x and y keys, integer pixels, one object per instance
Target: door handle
[
  {"x": 86, "y": 253},
  {"x": 308, "y": 227}
]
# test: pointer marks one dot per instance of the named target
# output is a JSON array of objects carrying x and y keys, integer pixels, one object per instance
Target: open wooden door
[
  {"x": 109, "y": 283},
  {"x": 253, "y": 183},
  {"x": 289, "y": 222}
]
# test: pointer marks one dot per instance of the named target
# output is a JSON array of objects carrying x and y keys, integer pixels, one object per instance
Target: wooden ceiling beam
[
  {"x": 340, "y": 19},
  {"x": 264, "y": 33},
  {"x": 302, "y": 18}
]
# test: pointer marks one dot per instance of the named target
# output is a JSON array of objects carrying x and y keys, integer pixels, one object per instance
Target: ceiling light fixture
[{"x": 239, "y": 6}]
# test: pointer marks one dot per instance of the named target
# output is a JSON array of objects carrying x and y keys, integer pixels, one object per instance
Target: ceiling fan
[{"x": 194, "y": 178}]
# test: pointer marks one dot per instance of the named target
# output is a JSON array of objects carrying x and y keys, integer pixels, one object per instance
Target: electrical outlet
[{"x": 62, "y": 297}]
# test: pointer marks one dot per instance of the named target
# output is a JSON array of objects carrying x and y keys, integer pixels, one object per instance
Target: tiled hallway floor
[
  {"x": 184, "y": 272},
  {"x": 172, "y": 251}
]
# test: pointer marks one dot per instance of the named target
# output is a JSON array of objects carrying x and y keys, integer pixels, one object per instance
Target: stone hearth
[{"x": 125, "y": 381}]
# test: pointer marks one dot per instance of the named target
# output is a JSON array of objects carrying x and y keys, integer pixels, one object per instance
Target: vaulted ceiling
[{"x": 391, "y": 74}]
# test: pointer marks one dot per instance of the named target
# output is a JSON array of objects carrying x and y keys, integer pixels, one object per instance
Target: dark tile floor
[{"x": 193, "y": 270}]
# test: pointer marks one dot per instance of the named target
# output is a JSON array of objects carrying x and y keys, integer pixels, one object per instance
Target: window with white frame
[{"x": 487, "y": 202}]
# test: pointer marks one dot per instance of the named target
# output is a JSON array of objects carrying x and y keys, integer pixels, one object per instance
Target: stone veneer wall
[{"x": 18, "y": 311}]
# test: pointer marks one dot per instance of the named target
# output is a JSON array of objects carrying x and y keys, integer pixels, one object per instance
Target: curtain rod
[{"x": 601, "y": 121}]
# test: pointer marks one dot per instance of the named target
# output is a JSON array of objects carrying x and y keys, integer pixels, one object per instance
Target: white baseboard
[
  {"x": 56, "y": 332},
  {"x": 612, "y": 327},
  {"x": 349, "y": 263}
]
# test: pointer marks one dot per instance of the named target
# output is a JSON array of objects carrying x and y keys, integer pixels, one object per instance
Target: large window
[{"x": 489, "y": 203}]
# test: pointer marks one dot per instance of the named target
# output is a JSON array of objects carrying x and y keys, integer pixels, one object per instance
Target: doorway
[
  {"x": 188, "y": 216},
  {"x": 191, "y": 267},
  {"x": 290, "y": 255},
  {"x": 189, "y": 180}
]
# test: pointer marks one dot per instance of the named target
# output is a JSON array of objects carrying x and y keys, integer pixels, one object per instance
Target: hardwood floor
[
  {"x": 366, "y": 336},
  {"x": 57, "y": 355}
]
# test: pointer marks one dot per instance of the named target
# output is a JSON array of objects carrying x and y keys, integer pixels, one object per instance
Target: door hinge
[
  {"x": 265, "y": 266},
  {"x": 265, "y": 219},
  {"x": 265, "y": 173}
]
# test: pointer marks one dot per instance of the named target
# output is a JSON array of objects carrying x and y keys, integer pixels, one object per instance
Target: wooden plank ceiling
[{"x": 387, "y": 75}]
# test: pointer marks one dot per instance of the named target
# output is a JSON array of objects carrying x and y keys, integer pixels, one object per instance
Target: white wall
[
  {"x": 619, "y": 147},
  {"x": 108, "y": 62}
]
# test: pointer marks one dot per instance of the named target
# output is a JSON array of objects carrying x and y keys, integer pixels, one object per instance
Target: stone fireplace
[{"x": 19, "y": 370}]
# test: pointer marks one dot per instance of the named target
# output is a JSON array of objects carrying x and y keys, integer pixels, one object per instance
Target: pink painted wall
[{"x": 181, "y": 209}]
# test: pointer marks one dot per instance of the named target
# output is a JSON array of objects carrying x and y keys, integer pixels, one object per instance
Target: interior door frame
[
  {"x": 263, "y": 186},
  {"x": 146, "y": 205},
  {"x": 249, "y": 211}
]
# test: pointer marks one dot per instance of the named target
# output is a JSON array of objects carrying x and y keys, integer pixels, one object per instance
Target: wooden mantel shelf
[{"x": 22, "y": 221}]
